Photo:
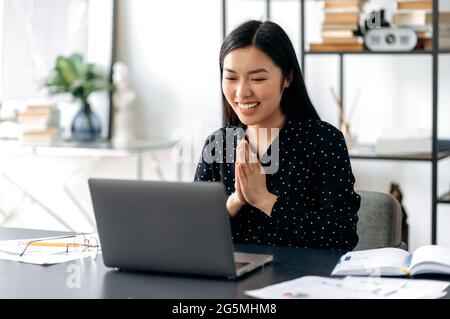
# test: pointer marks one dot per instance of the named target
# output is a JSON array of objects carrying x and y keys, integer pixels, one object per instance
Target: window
[{"x": 34, "y": 32}]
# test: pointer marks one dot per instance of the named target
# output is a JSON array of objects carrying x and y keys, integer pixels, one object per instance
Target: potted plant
[{"x": 74, "y": 76}]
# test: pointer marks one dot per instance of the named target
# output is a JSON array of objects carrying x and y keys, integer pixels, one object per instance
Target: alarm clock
[{"x": 390, "y": 39}]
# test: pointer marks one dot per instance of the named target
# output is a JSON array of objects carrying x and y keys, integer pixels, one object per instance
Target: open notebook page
[
  {"x": 381, "y": 261},
  {"x": 431, "y": 259}
]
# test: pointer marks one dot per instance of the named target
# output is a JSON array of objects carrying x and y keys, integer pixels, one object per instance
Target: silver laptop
[{"x": 167, "y": 227}]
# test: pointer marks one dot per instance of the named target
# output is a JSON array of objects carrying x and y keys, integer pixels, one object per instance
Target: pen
[{"x": 46, "y": 244}]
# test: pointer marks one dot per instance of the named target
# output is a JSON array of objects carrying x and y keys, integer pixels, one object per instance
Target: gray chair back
[{"x": 380, "y": 221}]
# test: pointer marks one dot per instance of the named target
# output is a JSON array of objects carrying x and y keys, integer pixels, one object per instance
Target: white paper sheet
[
  {"x": 312, "y": 287},
  {"x": 12, "y": 250}
]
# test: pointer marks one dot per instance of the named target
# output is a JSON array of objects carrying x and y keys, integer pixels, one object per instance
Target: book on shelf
[
  {"x": 335, "y": 47},
  {"x": 342, "y": 10},
  {"x": 344, "y": 17},
  {"x": 341, "y": 18},
  {"x": 40, "y": 137},
  {"x": 339, "y": 26},
  {"x": 344, "y": 4},
  {"x": 39, "y": 123},
  {"x": 341, "y": 40},
  {"x": 414, "y": 4},
  {"x": 421, "y": 22},
  {"x": 36, "y": 120},
  {"x": 38, "y": 116},
  {"x": 430, "y": 259},
  {"x": 419, "y": 18},
  {"x": 410, "y": 18},
  {"x": 337, "y": 34}
]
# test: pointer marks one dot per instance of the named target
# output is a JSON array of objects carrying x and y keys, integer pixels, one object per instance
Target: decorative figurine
[{"x": 123, "y": 99}]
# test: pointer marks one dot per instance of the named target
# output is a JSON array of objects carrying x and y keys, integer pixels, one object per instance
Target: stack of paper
[
  {"x": 407, "y": 141},
  {"x": 50, "y": 250},
  {"x": 312, "y": 287}
]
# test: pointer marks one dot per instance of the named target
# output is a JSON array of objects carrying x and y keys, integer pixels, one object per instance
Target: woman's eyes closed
[{"x": 255, "y": 80}]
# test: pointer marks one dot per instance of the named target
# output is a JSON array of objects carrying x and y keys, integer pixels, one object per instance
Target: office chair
[{"x": 380, "y": 221}]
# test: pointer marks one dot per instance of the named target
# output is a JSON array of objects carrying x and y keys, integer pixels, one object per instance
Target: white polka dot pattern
[{"x": 316, "y": 206}]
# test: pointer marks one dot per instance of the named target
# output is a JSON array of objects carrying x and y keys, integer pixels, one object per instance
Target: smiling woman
[
  {"x": 251, "y": 91},
  {"x": 287, "y": 174}
]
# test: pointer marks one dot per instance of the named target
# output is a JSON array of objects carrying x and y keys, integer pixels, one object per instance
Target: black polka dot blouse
[{"x": 316, "y": 205}]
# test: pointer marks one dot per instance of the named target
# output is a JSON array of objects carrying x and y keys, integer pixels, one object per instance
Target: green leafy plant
[{"x": 74, "y": 76}]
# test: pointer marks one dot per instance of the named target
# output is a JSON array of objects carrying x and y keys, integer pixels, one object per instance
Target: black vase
[{"x": 86, "y": 126}]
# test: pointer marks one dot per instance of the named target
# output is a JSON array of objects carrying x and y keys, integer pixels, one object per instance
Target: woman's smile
[{"x": 247, "y": 108}]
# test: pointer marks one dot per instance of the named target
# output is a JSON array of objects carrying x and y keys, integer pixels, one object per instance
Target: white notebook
[{"x": 430, "y": 259}]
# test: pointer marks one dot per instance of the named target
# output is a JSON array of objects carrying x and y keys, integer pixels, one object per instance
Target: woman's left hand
[{"x": 252, "y": 181}]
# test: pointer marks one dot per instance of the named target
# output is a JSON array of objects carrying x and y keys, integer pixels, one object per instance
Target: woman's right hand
[
  {"x": 237, "y": 199},
  {"x": 237, "y": 185},
  {"x": 241, "y": 157}
]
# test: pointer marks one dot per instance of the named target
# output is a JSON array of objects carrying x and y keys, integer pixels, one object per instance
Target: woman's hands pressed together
[{"x": 250, "y": 183}]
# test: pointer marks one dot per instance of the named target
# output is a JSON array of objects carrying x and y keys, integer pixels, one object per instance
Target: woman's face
[{"x": 251, "y": 84}]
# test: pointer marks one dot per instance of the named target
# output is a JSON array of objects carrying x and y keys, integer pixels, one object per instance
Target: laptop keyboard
[{"x": 239, "y": 265}]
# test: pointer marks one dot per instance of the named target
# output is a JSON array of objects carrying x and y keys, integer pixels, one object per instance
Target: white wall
[{"x": 172, "y": 49}]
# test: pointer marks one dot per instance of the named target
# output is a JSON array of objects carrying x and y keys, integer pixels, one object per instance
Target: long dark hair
[{"x": 270, "y": 38}]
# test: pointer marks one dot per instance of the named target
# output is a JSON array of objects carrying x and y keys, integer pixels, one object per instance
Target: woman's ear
[{"x": 288, "y": 79}]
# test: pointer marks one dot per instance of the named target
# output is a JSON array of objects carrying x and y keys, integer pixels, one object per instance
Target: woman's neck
[{"x": 276, "y": 121}]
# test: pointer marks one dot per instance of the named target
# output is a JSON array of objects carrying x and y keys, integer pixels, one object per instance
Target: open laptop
[{"x": 169, "y": 227}]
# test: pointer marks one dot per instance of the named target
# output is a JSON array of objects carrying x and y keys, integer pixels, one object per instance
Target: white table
[{"x": 94, "y": 152}]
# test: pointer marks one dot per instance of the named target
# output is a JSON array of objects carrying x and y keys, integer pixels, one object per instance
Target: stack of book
[
  {"x": 444, "y": 31},
  {"x": 418, "y": 15},
  {"x": 340, "y": 25},
  {"x": 39, "y": 124},
  {"x": 415, "y": 5}
]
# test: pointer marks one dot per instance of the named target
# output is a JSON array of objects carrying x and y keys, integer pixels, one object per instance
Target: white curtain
[{"x": 35, "y": 32}]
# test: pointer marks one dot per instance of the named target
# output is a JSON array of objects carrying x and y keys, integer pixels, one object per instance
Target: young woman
[{"x": 287, "y": 174}]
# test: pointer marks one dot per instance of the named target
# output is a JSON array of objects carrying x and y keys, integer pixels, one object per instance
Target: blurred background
[{"x": 161, "y": 62}]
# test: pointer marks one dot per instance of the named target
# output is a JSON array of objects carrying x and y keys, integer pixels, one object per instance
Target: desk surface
[{"x": 21, "y": 280}]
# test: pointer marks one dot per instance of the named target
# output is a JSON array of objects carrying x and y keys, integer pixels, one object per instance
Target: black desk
[{"x": 20, "y": 280}]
